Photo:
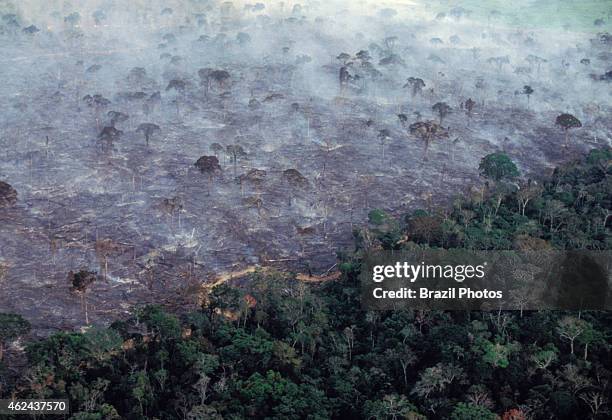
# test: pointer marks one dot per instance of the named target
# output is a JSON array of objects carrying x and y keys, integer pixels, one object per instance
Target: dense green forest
[{"x": 274, "y": 347}]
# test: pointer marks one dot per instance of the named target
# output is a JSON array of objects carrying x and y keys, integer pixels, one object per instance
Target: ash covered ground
[{"x": 306, "y": 95}]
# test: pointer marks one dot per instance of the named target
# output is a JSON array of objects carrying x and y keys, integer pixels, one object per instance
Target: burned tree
[
  {"x": 534, "y": 60},
  {"x": 469, "y": 107},
  {"x": 208, "y": 76},
  {"x": 527, "y": 91},
  {"x": 415, "y": 84},
  {"x": 295, "y": 178},
  {"x": 148, "y": 129},
  {"x": 110, "y": 134},
  {"x": 235, "y": 152},
  {"x": 221, "y": 77},
  {"x": 383, "y": 136},
  {"x": 427, "y": 131},
  {"x": 442, "y": 109},
  {"x": 179, "y": 86},
  {"x": 208, "y": 165},
  {"x": 80, "y": 283},
  {"x": 173, "y": 205},
  {"x": 566, "y": 122},
  {"x": 344, "y": 58},
  {"x": 254, "y": 176},
  {"x": 344, "y": 78},
  {"x": 97, "y": 102},
  {"x": 117, "y": 117},
  {"x": 8, "y": 195},
  {"x": 104, "y": 248}
]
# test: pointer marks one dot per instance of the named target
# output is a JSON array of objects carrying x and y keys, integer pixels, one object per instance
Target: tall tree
[
  {"x": 383, "y": 136},
  {"x": 442, "y": 109},
  {"x": 148, "y": 129},
  {"x": 416, "y": 85},
  {"x": 427, "y": 131},
  {"x": 208, "y": 165},
  {"x": 567, "y": 122},
  {"x": 527, "y": 91},
  {"x": 80, "y": 282},
  {"x": 570, "y": 328}
]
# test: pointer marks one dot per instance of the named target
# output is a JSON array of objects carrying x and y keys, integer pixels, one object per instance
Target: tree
[
  {"x": 344, "y": 58},
  {"x": 208, "y": 165},
  {"x": 393, "y": 407},
  {"x": 254, "y": 176},
  {"x": 179, "y": 86},
  {"x": 595, "y": 401},
  {"x": 73, "y": 19},
  {"x": 208, "y": 75},
  {"x": 102, "y": 343},
  {"x": 496, "y": 354},
  {"x": 104, "y": 248},
  {"x": 12, "y": 326},
  {"x": 344, "y": 77},
  {"x": 383, "y": 136},
  {"x": 8, "y": 195},
  {"x": 31, "y": 30},
  {"x": 527, "y": 192},
  {"x": 570, "y": 328},
  {"x": 427, "y": 131},
  {"x": 80, "y": 282},
  {"x": 148, "y": 129},
  {"x": 117, "y": 117},
  {"x": 566, "y": 122},
  {"x": 221, "y": 77},
  {"x": 535, "y": 60},
  {"x": 528, "y": 91},
  {"x": 110, "y": 134},
  {"x": 469, "y": 107},
  {"x": 416, "y": 84},
  {"x": 294, "y": 177},
  {"x": 469, "y": 411},
  {"x": 590, "y": 336},
  {"x": 443, "y": 109},
  {"x": 97, "y": 102},
  {"x": 235, "y": 152},
  {"x": 498, "y": 166},
  {"x": 436, "y": 379}
]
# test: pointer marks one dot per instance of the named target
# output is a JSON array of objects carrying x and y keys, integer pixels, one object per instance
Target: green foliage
[
  {"x": 597, "y": 156},
  {"x": 12, "y": 326},
  {"x": 102, "y": 343},
  {"x": 463, "y": 411},
  {"x": 498, "y": 166},
  {"x": 496, "y": 354},
  {"x": 377, "y": 217},
  {"x": 162, "y": 324}
]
